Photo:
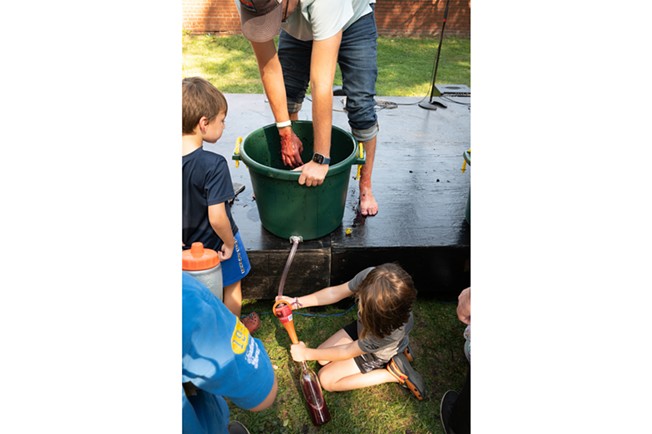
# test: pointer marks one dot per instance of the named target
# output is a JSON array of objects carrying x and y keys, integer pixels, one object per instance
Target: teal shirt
[{"x": 320, "y": 19}]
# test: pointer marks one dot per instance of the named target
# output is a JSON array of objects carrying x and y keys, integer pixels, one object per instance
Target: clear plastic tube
[{"x": 295, "y": 240}]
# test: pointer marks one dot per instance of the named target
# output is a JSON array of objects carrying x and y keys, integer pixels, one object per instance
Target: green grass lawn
[
  {"x": 437, "y": 344},
  {"x": 405, "y": 69},
  {"x": 405, "y": 65}
]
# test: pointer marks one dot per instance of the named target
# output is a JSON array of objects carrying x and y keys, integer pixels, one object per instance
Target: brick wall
[
  {"x": 393, "y": 17},
  {"x": 422, "y": 17}
]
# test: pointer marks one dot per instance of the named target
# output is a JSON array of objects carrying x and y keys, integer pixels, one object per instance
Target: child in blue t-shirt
[
  {"x": 219, "y": 359},
  {"x": 207, "y": 190}
]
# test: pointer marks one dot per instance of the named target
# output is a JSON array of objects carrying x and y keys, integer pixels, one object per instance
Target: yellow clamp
[
  {"x": 236, "y": 151},
  {"x": 464, "y": 162},
  {"x": 360, "y": 155}
]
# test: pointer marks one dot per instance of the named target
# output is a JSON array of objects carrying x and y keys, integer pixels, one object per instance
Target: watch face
[{"x": 318, "y": 158}]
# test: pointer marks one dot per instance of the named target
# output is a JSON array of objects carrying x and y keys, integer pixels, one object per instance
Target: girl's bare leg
[
  {"x": 339, "y": 338},
  {"x": 345, "y": 374}
]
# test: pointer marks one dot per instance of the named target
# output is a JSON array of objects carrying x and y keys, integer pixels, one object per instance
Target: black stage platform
[{"x": 418, "y": 183}]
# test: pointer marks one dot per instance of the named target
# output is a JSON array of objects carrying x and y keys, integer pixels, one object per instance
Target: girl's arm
[
  {"x": 222, "y": 227},
  {"x": 332, "y": 354},
  {"x": 323, "y": 297}
]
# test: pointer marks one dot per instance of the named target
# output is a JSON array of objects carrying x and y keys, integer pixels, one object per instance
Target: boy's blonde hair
[
  {"x": 385, "y": 299},
  {"x": 200, "y": 98}
]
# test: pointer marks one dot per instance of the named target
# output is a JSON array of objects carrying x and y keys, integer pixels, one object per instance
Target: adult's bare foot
[{"x": 368, "y": 204}]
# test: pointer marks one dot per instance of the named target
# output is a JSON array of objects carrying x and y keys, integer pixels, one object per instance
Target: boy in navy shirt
[{"x": 208, "y": 190}]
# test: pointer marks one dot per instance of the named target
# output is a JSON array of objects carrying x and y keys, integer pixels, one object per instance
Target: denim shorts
[
  {"x": 237, "y": 266},
  {"x": 357, "y": 60}
]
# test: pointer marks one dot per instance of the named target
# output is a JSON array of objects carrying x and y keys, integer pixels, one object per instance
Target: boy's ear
[{"x": 203, "y": 123}]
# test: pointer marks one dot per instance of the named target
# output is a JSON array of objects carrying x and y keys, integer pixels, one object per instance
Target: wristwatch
[{"x": 319, "y": 158}]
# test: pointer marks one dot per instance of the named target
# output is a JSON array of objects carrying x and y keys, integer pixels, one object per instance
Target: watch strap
[{"x": 319, "y": 158}]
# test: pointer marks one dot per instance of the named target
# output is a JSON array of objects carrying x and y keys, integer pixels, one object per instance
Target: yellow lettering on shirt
[{"x": 240, "y": 338}]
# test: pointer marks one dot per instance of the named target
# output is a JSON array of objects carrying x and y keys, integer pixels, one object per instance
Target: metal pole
[{"x": 432, "y": 105}]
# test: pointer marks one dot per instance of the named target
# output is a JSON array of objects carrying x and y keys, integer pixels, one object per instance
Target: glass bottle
[
  {"x": 314, "y": 397},
  {"x": 309, "y": 381}
]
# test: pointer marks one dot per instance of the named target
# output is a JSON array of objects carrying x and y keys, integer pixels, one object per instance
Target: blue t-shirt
[
  {"x": 221, "y": 359},
  {"x": 206, "y": 181}
]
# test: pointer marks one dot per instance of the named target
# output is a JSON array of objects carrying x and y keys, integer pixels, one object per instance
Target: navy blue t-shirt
[{"x": 206, "y": 182}]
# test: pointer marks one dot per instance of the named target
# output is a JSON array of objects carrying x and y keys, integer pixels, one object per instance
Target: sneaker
[
  {"x": 251, "y": 321},
  {"x": 446, "y": 409},
  {"x": 407, "y": 377},
  {"x": 236, "y": 427}
]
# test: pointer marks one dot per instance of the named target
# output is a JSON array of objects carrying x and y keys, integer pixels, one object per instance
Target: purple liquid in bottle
[{"x": 314, "y": 397}]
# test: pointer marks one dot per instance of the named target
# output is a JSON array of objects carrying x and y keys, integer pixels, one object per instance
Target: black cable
[
  {"x": 381, "y": 104},
  {"x": 447, "y": 98}
]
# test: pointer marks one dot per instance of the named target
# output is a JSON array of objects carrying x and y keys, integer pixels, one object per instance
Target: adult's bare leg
[{"x": 368, "y": 204}]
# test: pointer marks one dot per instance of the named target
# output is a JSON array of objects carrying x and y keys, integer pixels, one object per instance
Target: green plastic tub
[{"x": 286, "y": 208}]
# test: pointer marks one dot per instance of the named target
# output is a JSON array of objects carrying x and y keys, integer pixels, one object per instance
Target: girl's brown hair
[
  {"x": 385, "y": 299},
  {"x": 200, "y": 98}
]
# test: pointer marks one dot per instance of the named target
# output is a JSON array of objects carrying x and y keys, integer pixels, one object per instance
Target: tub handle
[
  {"x": 236, "y": 152},
  {"x": 467, "y": 157},
  {"x": 360, "y": 159}
]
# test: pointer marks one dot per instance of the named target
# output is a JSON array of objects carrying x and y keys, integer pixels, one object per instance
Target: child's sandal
[{"x": 251, "y": 321}]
